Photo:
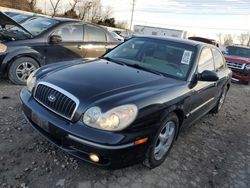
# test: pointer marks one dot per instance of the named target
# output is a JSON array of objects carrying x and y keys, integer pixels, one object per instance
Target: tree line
[
  {"x": 228, "y": 39},
  {"x": 86, "y": 10}
]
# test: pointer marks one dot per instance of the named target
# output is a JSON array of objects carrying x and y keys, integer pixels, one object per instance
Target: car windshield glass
[
  {"x": 237, "y": 51},
  {"x": 38, "y": 25},
  {"x": 166, "y": 57},
  {"x": 21, "y": 18}
]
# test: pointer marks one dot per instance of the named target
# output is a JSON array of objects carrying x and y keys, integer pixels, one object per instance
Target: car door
[
  {"x": 203, "y": 95},
  {"x": 95, "y": 41},
  {"x": 69, "y": 48},
  {"x": 220, "y": 69}
]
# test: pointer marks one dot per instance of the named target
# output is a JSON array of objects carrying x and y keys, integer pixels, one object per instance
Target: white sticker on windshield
[{"x": 186, "y": 57}]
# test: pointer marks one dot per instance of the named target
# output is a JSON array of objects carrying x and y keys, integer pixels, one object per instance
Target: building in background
[{"x": 157, "y": 31}]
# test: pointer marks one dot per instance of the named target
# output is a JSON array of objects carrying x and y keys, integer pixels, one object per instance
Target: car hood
[
  {"x": 6, "y": 20},
  {"x": 237, "y": 59},
  {"x": 99, "y": 78}
]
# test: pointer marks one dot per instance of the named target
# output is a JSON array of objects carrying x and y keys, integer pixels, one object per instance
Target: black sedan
[
  {"x": 42, "y": 40},
  {"x": 130, "y": 105}
]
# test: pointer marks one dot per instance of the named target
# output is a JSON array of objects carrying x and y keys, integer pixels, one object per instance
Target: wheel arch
[
  {"x": 179, "y": 112},
  {"x": 12, "y": 56}
]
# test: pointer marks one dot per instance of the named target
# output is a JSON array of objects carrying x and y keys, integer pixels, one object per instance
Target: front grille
[
  {"x": 55, "y": 99},
  {"x": 234, "y": 65}
]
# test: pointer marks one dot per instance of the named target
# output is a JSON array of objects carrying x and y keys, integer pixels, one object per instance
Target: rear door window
[
  {"x": 94, "y": 34},
  {"x": 218, "y": 59},
  {"x": 206, "y": 61}
]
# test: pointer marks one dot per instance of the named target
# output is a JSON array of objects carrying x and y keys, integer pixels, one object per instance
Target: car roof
[
  {"x": 173, "y": 39},
  {"x": 240, "y": 46}
]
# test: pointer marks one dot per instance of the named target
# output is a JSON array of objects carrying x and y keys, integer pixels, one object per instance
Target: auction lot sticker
[{"x": 186, "y": 57}]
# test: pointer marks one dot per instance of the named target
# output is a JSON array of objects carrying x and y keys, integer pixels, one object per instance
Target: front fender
[{"x": 16, "y": 53}]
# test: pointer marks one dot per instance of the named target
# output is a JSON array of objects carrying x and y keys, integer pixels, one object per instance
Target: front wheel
[
  {"x": 163, "y": 142},
  {"x": 20, "y": 70}
]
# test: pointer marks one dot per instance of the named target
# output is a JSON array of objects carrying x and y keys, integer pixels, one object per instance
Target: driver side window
[
  {"x": 71, "y": 33},
  {"x": 206, "y": 61}
]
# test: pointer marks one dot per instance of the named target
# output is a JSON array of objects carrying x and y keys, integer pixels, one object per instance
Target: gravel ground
[{"x": 215, "y": 152}]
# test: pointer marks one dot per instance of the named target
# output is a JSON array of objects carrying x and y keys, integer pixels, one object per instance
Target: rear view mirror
[
  {"x": 208, "y": 76},
  {"x": 55, "y": 39}
]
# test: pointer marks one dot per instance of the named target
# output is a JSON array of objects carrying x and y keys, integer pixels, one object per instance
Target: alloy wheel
[
  {"x": 164, "y": 140},
  {"x": 24, "y": 70}
]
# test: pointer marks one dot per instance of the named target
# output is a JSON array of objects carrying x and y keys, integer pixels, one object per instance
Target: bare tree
[
  {"x": 96, "y": 11},
  {"x": 84, "y": 7},
  {"x": 243, "y": 38},
  {"x": 55, "y": 6},
  {"x": 107, "y": 13},
  {"x": 74, "y": 5},
  {"x": 228, "y": 39},
  {"x": 32, "y": 5}
]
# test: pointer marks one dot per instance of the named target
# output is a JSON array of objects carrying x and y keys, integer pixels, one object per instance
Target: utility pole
[{"x": 132, "y": 15}]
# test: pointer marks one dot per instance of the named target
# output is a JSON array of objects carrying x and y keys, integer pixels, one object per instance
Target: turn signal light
[{"x": 141, "y": 141}]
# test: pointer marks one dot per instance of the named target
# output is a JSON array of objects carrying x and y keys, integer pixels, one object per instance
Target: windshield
[
  {"x": 166, "y": 57},
  {"x": 21, "y": 18},
  {"x": 237, "y": 51},
  {"x": 37, "y": 25}
]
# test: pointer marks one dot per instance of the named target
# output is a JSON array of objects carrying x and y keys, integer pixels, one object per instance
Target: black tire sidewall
[
  {"x": 152, "y": 162},
  {"x": 12, "y": 69}
]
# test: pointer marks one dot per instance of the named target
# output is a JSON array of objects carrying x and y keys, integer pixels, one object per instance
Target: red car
[{"x": 238, "y": 59}]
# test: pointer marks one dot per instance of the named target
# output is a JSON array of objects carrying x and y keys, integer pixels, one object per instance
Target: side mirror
[
  {"x": 208, "y": 76},
  {"x": 55, "y": 39},
  {"x": 108, "y": 50},
  {"x": 223, "y": 52}
]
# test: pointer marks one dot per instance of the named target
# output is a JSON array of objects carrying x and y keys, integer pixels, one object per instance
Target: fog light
[{"x": 94, "y": 158}]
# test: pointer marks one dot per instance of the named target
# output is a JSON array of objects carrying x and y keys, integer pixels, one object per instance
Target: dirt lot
[{"x": 215, "y": 152}]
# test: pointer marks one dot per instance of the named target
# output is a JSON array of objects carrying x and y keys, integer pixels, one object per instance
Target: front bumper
[
  {"x": 116, "y": 150},
  {"x": 241, "y": 76}
]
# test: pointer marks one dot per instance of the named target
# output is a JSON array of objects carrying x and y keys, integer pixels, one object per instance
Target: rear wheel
[
  {"x": 20, "y": 70},
  {"x": 163, "y": 142}
]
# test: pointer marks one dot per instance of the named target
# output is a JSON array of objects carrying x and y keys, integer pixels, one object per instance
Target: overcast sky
[{"x": 202, "y": 17}]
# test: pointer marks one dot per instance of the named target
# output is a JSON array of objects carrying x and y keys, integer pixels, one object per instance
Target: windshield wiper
[
  {"x": 144, "y": 68},
  {"x": 113, "y": 60}
]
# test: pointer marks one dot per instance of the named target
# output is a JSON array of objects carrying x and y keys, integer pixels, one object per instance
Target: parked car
[
  {"x": 43, "y": 40},
  {"x": 117, "y": 37},
  {"x": 21, "y": 18},
  {"x": 130, "y": 105},
  {"x": 11, "y": 14},
  {"x": 238, "y": 59},
  {"x": 208, "y": 41}
]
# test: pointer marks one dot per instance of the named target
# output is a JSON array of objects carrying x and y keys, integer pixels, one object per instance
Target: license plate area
[{"x": 40, "y": 122}]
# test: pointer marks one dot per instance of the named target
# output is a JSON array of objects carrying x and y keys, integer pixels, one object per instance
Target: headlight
[
  {"x": 31, "y": 81},
  {"x": 113, "y": 120},
  {"x": 247, "y": 67},
  {"x": 3, "y": 48}
]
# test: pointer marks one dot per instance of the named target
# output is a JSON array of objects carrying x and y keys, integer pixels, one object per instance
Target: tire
[
  {"x": 220, "y": 102},
  {"x": 20, "y": 69},
  {"x": 160, "y": 147}
]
